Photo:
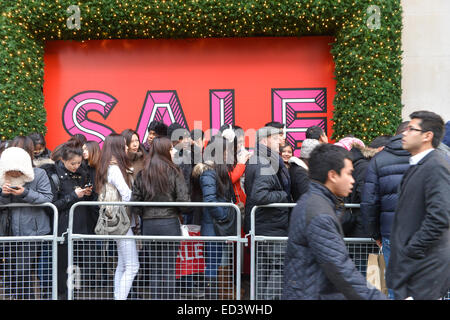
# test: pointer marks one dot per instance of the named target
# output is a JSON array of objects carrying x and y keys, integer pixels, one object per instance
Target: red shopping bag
[{"x": 190, "y": 258}]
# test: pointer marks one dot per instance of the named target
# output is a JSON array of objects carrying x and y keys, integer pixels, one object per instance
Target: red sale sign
[{"x": 101, "y": 86}]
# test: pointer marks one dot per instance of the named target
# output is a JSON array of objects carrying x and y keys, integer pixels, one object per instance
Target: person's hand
[
  {"x": 16, "y": 190},
  {"x": 243, "y": 156},
  {"x": 87, "y": 191},
  {"x": 79, "y": 192},
  {"x": 378, "y": 243},
  {"x": 6, "y": 189}
]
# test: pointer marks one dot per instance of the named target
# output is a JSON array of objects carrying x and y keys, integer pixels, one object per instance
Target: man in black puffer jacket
[
  {"x": 317, "y": 265},
  {"x": 379, "y": 196}
]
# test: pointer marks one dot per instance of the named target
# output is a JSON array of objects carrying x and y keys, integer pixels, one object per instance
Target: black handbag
[{"x": 226, "y": 226}]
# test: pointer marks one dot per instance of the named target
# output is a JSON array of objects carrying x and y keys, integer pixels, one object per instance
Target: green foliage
[{"x": 367, "y": 60}]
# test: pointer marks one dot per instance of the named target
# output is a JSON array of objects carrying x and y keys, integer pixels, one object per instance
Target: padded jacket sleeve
[
  {"x": 330, "y": 252},
  {"x": 266, "y": 189},
  {"x": 209, "y": 191},
  {"x": 43, "y": 192},
  {"x": 370, "y": 202}
]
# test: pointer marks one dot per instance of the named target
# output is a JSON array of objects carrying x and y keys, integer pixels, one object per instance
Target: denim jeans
[
  {"x": 213, "y": 258},
  {"x": 386, "y": 243},
  {"x": 45, "y": 270}
]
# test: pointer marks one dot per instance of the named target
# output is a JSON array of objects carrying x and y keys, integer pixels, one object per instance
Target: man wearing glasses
[{"x": 419, "y": 264}]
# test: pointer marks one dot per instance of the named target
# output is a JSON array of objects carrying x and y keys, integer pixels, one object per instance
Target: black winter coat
[
  {"x": 317, "y": 265},
  {"x": 264, "y": 188},
  {"x": 419, "y": 265},
  {"x": 352, "y": 222},
  {"x": 299, "y": 178},
  {"x": 380, "y": 193},
  {"x": 64, "y": 197}
]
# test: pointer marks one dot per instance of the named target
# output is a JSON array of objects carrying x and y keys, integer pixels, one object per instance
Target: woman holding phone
[
  {"x": 70, "y": 184},
  {"x": 21, "y": 183}
]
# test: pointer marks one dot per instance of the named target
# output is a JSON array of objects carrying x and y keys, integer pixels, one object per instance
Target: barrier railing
[
  {"x": 156, "y": 269},
  {"x": 26, "y": 272},
  {"x": 266, "y": 267}
]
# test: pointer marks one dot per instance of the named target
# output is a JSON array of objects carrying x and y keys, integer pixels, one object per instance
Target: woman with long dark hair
[
  {"x": 160, "y": 181},
  {"x": 114, "y": 168},
  {"x": 136, "y": 152},
  {"x": 211, "y": 183}
]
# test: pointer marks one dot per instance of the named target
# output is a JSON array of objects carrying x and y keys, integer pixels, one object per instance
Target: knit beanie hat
[
  {"x": 308, "y": 146},
  {"x": 348, "y": 142},
  {"x": 16, "y": 159}
]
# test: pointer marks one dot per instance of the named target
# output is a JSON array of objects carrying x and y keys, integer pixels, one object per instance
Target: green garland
[{"x": 368, "y": 60}]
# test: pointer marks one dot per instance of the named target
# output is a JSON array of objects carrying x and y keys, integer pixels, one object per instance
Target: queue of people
[{"x": 174, "y": 165}]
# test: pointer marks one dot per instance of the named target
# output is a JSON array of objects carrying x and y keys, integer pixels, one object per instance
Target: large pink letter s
[{"x": 75, "y": 113}]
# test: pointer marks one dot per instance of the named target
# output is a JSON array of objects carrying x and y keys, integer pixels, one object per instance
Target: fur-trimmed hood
[
  {"x": 298, "y": 162},
  {"x": 202, "y": 167},
  {"x": 42, "y": 161},
  {"x": 367, "y": 152},
  {"x": 16, "y": 159}
]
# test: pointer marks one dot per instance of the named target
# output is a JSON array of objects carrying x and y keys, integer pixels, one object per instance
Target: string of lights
[{"x": 367, "y": 59}]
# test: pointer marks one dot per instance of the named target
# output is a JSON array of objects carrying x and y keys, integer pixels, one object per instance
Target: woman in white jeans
[{"x": 115, "y": 168}]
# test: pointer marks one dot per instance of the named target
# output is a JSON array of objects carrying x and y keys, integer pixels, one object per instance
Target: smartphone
[
  {"x": 88, "y": 185},
  {"x": 14, "y": 187}
]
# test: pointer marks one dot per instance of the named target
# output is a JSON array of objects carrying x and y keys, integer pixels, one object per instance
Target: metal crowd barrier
[
  {"x": 156, "y": 277},
  {"x": 28, "y": 268},
  {"x": 267, "y": 257}
]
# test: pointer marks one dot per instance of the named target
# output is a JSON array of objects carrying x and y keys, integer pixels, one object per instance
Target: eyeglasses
[{"x": 409, "y": 128}]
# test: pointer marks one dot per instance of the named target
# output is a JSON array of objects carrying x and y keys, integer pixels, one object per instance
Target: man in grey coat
[{"x": 419, "y": 264}]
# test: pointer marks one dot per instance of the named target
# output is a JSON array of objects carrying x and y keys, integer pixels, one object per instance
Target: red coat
[{"x": 235, "y": 176}]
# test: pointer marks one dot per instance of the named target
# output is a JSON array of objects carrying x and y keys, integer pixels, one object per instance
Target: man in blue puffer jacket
[
  {"x": 379, "y": 196},
  {"x": 317, "y": 264}
]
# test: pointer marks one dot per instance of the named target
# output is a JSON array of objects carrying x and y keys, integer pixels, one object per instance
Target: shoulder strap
[{"x": 56, "y": 181}]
